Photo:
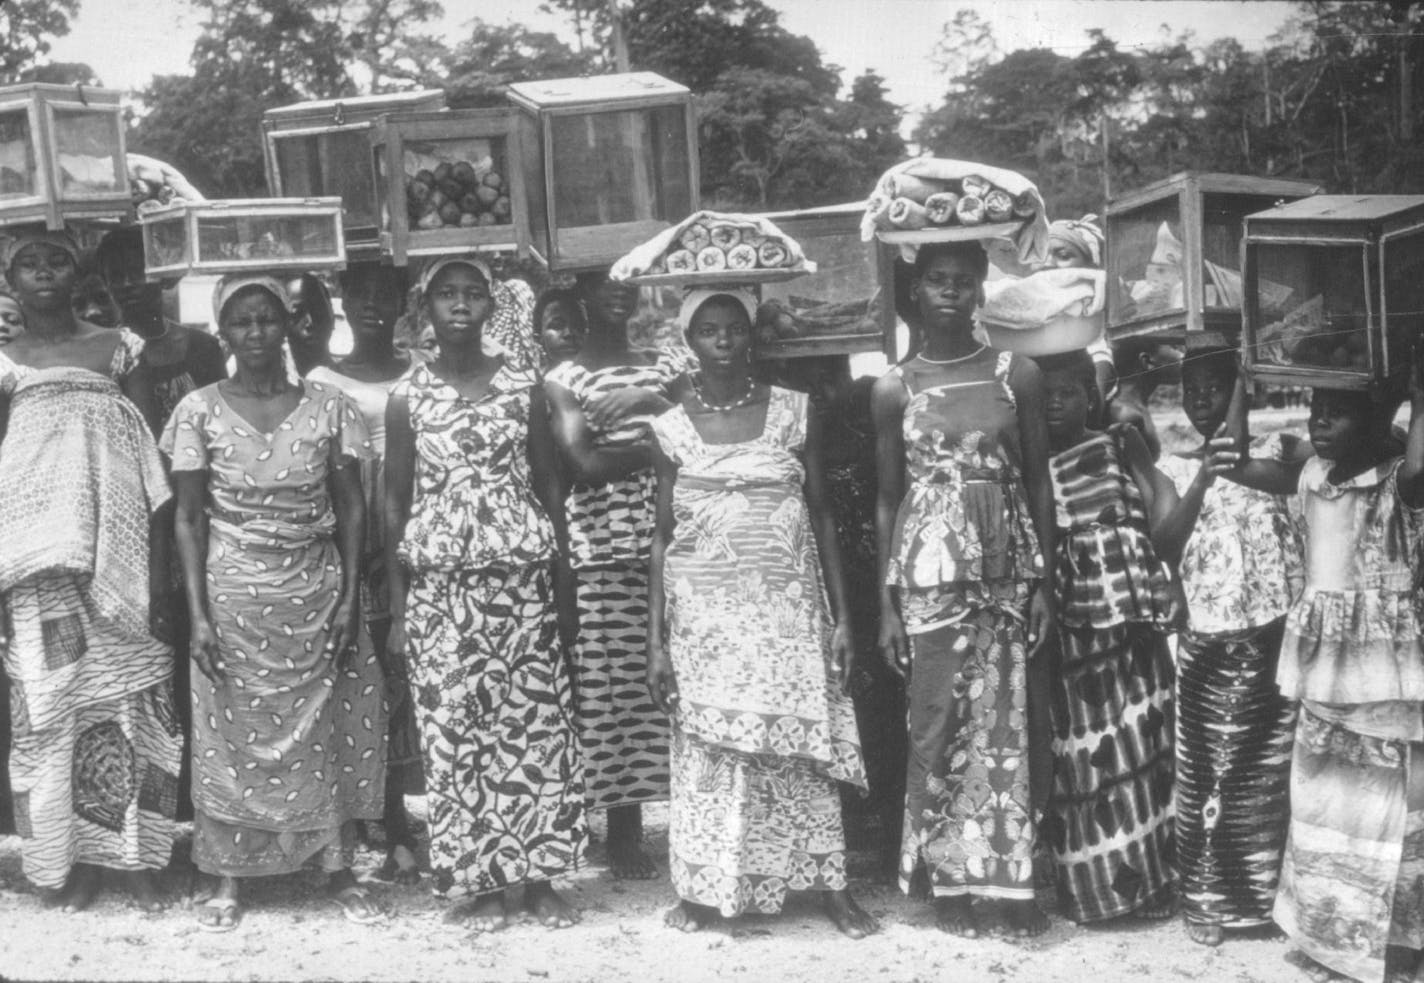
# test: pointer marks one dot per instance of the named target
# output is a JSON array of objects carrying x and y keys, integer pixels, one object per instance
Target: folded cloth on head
[
  {"x": 1028, "y": 302},
  {"x": 646, "y": 258}
]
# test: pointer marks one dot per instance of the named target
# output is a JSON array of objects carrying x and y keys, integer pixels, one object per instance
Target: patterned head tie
[
  {"x": 1080, "y": 234},
  {"x": 58, "y": 238},
  {"x": 229, "y": 286}
]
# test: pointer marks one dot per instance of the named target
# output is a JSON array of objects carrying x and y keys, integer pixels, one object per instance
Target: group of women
[{"x": 533, "y": 585}]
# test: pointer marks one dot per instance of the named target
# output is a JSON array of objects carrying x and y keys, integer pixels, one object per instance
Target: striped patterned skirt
[{"x": 1109, "y": 821}]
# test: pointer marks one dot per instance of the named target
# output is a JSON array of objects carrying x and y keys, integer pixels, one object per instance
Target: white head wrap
[
  {"x": 228, "y": 287},
  {"x": 698, "y": 296},
  {"x": 428, "y": 275}
]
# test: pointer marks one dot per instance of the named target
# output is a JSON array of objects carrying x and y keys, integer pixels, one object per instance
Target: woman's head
[
  {"x": 1147, "y": 359},
  {"x": 372, "y": 297},
  {"x": 42, "y": 268},
  {"x": 120, "y": 260},
  {"x": 93, "y": 303},
  {"x": 254, "y": 315},
  {"x": 947, "y": 284},
  {"x": 1072, "y": 404},
  {"x": 456, "y": 293},
  {"x": 1208, "y": 380},
  {"x": 1350, "y": 425},
  {"x": 560, "y": 323},
  {"x": 313, "y": 319},
  {"x": 718, "y": 326},
  {"x": 1075, "y": 244},
  {"x": 610, "y": 303},
  {"x": 12, "y": 318}
]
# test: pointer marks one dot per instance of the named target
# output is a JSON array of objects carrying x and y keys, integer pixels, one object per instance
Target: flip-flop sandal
[
  {"x": 221, "y": 906},
  {"x": 343, "y": 898}
]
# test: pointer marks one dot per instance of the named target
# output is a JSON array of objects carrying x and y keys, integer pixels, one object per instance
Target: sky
[{"x": 896, "y": 38}]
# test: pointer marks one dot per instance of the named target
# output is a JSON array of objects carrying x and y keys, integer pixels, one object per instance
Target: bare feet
[
  {"x": 688, "y": 917},
  {"x": 852, "y": 920},
  {"x": 356, "y": 903},
  {"x": 485, "y": 913},
  {"x": 144, "y": 893},
  {"x": 626, "y": 858},
  {"x": 400, "y": 866},
  {"x": 1160, "y": 909},
  {"x": 1020, "y": 919},
  {"x": 79, "y": 891},
  {"x": 547, "y": 907},
  {"x": 1205, "y": 933},
  {"x": 956, "y": 916},
  {"x": 222, "y": 912}
]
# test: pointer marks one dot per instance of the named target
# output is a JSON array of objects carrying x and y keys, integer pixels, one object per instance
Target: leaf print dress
[
  {"x": 761, "y": 730},
  {"x": 504, "y": 786},
  {"x": 287, "y": 748}
]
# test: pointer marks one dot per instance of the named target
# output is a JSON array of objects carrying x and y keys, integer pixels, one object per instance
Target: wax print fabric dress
[
  {"x": 1241, "y": 570},
  {"x": 1109, "y": 821},
  {"x": 1352, "y": 881},
  {"x": 761, "y": 730},
  {"x": 504, "y": 788},
  {"x": 288, "y": 748},
  {"x": 964, "y": 558},
  {"x": 95, "y": 738},
  {"x": 623, "y": 734}
]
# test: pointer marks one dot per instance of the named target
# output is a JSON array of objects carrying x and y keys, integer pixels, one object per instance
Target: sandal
[
  {"x": 222, "y": 908},
  {"x": 346, "y": 899}
]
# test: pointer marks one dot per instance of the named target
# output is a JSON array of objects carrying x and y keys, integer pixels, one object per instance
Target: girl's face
[
  {"x": 458, "y": 302},
  {"x": 1206, "y": 395},
  {"x": 1339, "y": 424},
  {"x": 612, "y": 302},
  {"x": 720, "y": 335},
  {"x": 43, "y": 276},
  {"x": 1067, "y": 406},
  {"x": 12, "y": 320},
  {"x": 948, "y": 292},
  {"x": 92, "y": 303},
  {"x": 373, "y": 301},
  {"x": 253, "y": 326},
  {"x": 560, "y": 332}
]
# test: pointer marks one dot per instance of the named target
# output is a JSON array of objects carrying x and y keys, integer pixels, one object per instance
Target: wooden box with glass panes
[
  {"x": 322, "y": 149},
  {"x": 62, "y": 155},
  {"x": 243, "y": 235},
  {"x": 450, "y": 181},
  {"x": 609, "y": 162},
  {"x": 1334, "y": 289},
  {"x": 1174, "y": 254}
]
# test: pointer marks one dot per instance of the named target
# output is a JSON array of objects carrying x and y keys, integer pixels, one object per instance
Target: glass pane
[
  {"x": 460, "y": 182},
  {"x": 1145, "y": 255},
  {"x": 17, "y": 154},
  {"x": 330, "y": 165},
  {"x": 1310, "y": 304},
  {"x": 531, "y": 155},
  {"x": 87, "y": 144},
  {"x": 1404, "y": 297},
  {"x": 254, "y": 237},
  {"x": 1222, "y": 216},
  {"x": 837, "y": 299},
  {"x": 164, "y": 243},
  {"x": 620, "y": 167}
]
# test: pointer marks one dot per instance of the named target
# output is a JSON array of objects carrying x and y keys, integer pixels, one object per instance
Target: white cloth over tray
[{"x": 643, "y": 259}]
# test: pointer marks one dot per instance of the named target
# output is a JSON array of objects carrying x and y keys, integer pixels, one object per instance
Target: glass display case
[
  {"x": 242, "y": 235},
  {"x": 609, "y": 161},
  {"x": 1334, "y": 289},
  {"x": 1174, "y": 254},
  {"x": 450, "y": 182},
  {"x": 61, "y": 155},
  {"x": 320, "y": 149},
  {"x": 836, "y": 310}
]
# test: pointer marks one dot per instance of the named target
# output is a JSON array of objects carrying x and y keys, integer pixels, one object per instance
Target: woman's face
[
  {"x": 253, "y": 326},
  {"x": 92, "y": 303},
  {"x": 1066, "y": 256},
  {"x": 948, "y": 292},
  {"x": 612, "y": 302},
  {"x": 1206, "y": 395},
  {"x": 1067, "y": 405},
  {"x": 458, "y": 302},
  {"x": 1339, "y": 423},
  {"x": 43, "y": 276},
  {"x": 561, "y": 331},
  {"x": 310, "y": 325},
  {"x": 12, "y": 320},
  {"x": 720, "y": 335},
  {"x": 373, "y": 301}
]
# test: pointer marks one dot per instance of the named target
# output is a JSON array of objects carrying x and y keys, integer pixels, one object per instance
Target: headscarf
[
  {"x": 511, "y": 309},
  {"x": 696, "y": 297},
  {"x": 228, "y": 287},
  {"x": 54, "y": 237},
  {"x": 428, "y": 275},
  {"x": 1081, "y": 234}
]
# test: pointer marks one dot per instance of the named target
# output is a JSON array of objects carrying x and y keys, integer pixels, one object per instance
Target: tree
[
  {"x": 478, "y": 70},
  {"x": 26, "y": 29}
]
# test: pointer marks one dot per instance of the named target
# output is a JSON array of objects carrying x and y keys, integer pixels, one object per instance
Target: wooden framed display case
[
  {"x": 62, "y": 155},
  {"x": 322, "y": 148},
  {"x": 609, "y": 161},
  {"x": 450, "y": 181},
  {"x": 242, "y": 235},
  {"x": 1174, "y": 253},
  {"x": 1334, "y": 289},
  {"x": 841, "y": 308}
]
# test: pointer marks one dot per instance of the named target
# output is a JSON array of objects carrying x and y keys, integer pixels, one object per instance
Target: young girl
[
  {"x": 1238, "y": 556},
  {"x": 743, "y": 654},
  {"x": 1353, "y": 875},
  {"x": 12, "y": 318},
  {"x": 964, "y": 516},
  {"x": 561, "y": 323},
  {"x": 1109, "y": 821}
]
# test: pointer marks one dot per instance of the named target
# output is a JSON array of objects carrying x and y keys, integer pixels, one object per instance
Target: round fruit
[
  {"x": 485, "y": 218},
  {"x": 470, "y": 203},
  {"x": 450, "y": 213},
  {"x": 501, "y": 207},
  {"x": 464, "y": 172},
  {"x": 426, "y": 175},
  {"x": 418, "y": 191},
  {"x": 493, "y": 180},
  {"x": 487, "y": 196},
  {"x": 468, "y": 221},
  {"x": 442, "y": 171},
  {"x": 438, "y": 198},
  {"x": 453, "y": 189}
]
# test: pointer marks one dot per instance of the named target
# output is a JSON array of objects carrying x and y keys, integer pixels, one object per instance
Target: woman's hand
[
  {"x": 1042, "y": 618},
  {"x": 605, "y": 411},
  {"x": 893, "y": 643},
  {"x": 203, "y": 645},
  {"x": 343, "y": 630},
  {"x": 662, "y": 682},
  {"x": 842, "y": 656},
  {"x": 1219, "y": 456}
]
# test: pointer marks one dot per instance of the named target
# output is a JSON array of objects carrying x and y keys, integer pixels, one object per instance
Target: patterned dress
[
  {"x": 963, "y": 560},
  {"x": 503, "y": 783},
  {"x": 623, "y": 734},
  {"x": 1110, "y": 819},
  {"x": 1352, "y": 881},
  {"x": 95, "y": 739},
  {"x": 760, "y": 729},
  {"x": 1240, "y": 571},
  {"x": 287, "y": 747}
]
